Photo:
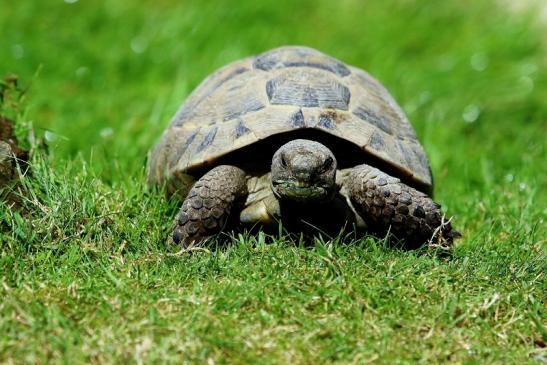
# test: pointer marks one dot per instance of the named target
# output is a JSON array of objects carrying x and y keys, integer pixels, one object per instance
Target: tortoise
[{"x": 295, "y": 135}]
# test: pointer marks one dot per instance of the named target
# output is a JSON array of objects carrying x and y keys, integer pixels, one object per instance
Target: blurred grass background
[{"x": 104, "y": 79}]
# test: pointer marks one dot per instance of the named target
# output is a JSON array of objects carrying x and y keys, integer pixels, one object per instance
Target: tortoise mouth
[{"x": 300, "y": 191}]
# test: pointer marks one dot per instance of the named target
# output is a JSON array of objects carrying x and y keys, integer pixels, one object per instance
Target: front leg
[
  {"x": 209, "y": 204},
  {"x": 385, "y": 203}
]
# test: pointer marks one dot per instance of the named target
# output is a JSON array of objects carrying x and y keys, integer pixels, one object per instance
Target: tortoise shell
[{"x": 284, "y": 90}]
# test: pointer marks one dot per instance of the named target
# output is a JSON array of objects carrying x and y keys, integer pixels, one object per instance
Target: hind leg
[
  {"x": 385, "y": 203},
  {"x": 209, "y": 204}
]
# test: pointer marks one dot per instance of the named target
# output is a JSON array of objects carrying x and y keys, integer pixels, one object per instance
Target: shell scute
[
  {"x": 307, "y": 88},
  {"x": 287, "y": 57}
]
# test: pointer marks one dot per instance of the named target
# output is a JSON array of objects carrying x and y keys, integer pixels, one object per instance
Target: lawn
[{"x": 86, "y": 276}]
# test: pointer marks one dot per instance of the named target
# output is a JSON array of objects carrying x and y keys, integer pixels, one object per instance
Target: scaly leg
[
  {"x": 209, "y": 204},
  {"x": 384, "y": 202}
]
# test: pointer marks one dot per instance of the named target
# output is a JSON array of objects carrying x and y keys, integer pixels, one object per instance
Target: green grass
[{"x": 85, "y": 275}]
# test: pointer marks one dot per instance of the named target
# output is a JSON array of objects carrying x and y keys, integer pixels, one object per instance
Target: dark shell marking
[
  {"x": 184, "y": 146},
  {"x": 241, "y": 129},
  {"x": 250, "y": 105},
  {"x": 237, "y": 71},
  {"x": 208, "y": 139},
  {"x": 297, "y": 88},
  {"x": 297, "y": 119},
  {"x": 371, "y": 117},
  {"x": 376, "y": 142},
  {"x": 325, "y": 121}
]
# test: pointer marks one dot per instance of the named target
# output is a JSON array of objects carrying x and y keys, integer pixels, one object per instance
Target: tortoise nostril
[{"x": 304, "y": 176}]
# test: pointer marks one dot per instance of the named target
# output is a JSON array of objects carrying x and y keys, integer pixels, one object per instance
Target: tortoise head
[{"x": 303, "y": 171}]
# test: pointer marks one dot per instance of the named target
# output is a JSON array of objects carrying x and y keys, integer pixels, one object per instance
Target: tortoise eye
[
  {"x": 327, "y": 164},
  {"x": 283, "y": 161}
]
